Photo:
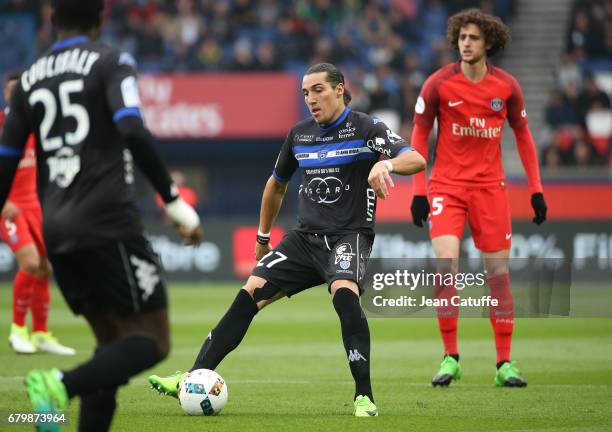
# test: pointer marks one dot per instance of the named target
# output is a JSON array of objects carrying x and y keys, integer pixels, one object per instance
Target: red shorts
[
  {"x": 487, "y": 211},
  {"x": 25, "y": 229}
]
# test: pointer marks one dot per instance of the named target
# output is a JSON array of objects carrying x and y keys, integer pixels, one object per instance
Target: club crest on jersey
[
  {"x": 322, "y": 154},
  {"x": 344, "y": 255},
  {"x": 497, "y": 104}
]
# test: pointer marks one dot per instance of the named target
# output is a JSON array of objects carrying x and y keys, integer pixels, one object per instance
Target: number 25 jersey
[{"x": 71, "y": 98}]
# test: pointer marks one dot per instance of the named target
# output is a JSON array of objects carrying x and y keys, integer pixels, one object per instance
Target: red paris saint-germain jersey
[
  {"x": 471, "y": 118},
  {"x": 23, "y": 190}
]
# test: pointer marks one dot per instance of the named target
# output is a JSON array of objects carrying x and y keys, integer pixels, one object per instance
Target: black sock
[
  {"x": 97, "y": 411},
  {"x": 356, "y": 338},
  {"x": 112, "y": 365},
  {"x": 501, "y": 363},
  {"x": 228, "y": 333},
  {"x": 455, "y": 356}
]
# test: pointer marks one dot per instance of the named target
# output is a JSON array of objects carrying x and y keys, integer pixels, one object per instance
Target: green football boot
[
  {"x": 364, "y": 407},
  {"x": 47, "y": 394},
  {"x": 508, "y": 375},
  {"x": 168, "y": 385},
  {"x": 449, "y": 371}
]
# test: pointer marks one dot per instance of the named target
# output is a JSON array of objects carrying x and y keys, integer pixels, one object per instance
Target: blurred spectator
[
  {"x": 409, "y": 94},
  {"x": 149, "y": 42},
  {"x": 413, "y": 71},
  {"x": 21, "y": 6},
  {"x": 266, "y": 57},
  {"x": 583, "y": 154},
  {"x": 385, "y": 47},
  {"x": 209, "y": 55},
  {"x": 568, "y": 73},
  {"x": 46, "y": 34},
  {"x": 243, "y": 59},
  {"x": 591, "y": 98},
  {"x": 323, "y": 51},
  {"x": 294, "y": 35},
  {"x": 587, "y": 37},
  {"x": 551, "y": 158},
  {"x": 243, "y": 13},
  {"x": 325, "y": 13},
  {"x": 219, "y": 18},
  {"x": 374, "y": 28},
  {"x": 559, "y": 112},
  {"x": 578, "y": 111},
  {"x": 578, "y": 39}
]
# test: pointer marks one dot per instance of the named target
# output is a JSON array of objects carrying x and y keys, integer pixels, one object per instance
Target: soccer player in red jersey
[
  {"x": 21, "y": 229},
  {"x": 471, "y": 100}
]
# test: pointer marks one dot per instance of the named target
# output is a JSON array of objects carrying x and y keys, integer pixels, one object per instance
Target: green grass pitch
[{"x": 290, "y": 372}]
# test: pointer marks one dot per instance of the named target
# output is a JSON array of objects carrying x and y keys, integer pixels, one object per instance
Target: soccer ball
[{"x": 203, "y": 392}]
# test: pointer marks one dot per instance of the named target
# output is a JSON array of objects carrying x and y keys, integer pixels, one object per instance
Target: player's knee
[
  {"x": 250, "y": 286},
  {"x": 253, "y": 283},
  {"x": 152, "y": 326},
  {"x": 446, "y": 263},
  {"x": 497, "y": 269},
  {"x": 261, "y": 291},
  {"x": 162, "y": 343},
  {"x": 343, "y": 283},
  {"x": 163, "y": 347}
]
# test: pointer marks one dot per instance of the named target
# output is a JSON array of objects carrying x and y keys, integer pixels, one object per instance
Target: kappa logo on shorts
[
  {"x": 146, "y": 275},
  {"x": 344, "y": 255}
]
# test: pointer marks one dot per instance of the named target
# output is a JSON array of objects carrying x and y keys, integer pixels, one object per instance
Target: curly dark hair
[{"x": 496, "y": 33}]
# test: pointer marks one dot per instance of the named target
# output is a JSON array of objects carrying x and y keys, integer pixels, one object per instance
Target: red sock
[
  {"x": 23, "y": 285},
  {"x": 40, "y": 305},
  {"x": 502, "y": 315},
  {"x": 447, "y": 318}
]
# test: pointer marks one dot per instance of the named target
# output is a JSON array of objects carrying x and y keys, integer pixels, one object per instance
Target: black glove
[
  {"x": 419, "y": 209},
  {"x": 539, "y": 208}
]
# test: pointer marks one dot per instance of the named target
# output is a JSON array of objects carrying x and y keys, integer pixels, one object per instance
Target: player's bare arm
[
  {"x": 407, "y": 163},
  {"x": 271, "y": 202},
  {"x": 10, "y": 211}
]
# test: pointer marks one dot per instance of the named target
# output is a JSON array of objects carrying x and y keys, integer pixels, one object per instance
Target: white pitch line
[{"x": 305, "y": 382}]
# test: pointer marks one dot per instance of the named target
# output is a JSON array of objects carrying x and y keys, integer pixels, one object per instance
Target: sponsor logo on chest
[{"x": 348, "y": 131}]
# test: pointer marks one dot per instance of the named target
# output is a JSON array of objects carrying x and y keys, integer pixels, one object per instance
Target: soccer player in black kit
[
  {"x": 80, "y": 99},
  {"x": 337, "y": 152}
]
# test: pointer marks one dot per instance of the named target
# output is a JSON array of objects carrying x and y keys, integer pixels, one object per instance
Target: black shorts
[
  {"x": 303, "y": 260},
  {"x": 121, "y": 277}
]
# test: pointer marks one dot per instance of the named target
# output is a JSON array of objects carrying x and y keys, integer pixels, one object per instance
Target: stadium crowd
[
  {"x": 386, "y": 47},
  {"x": 578, "y": 114}
]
